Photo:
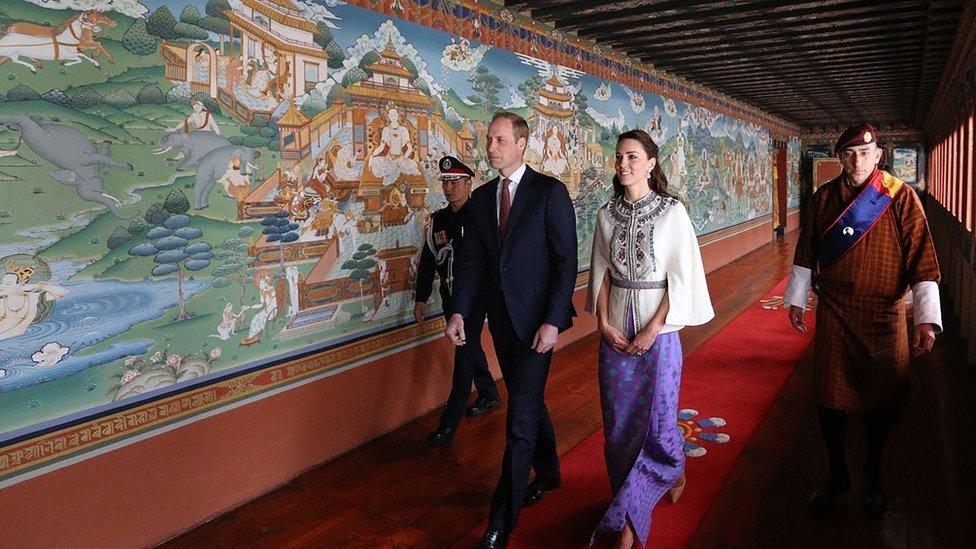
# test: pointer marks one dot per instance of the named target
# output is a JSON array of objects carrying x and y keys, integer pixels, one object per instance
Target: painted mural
[
  {"x": 905, "y": 164},
  {"x": 197, "y": 188},
  {"x": 793, "y": 148}
]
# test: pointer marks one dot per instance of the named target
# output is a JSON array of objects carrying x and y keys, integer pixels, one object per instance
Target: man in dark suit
[
  {"x": 523, "y": 250},
  {"x": 444, "y": 240}
]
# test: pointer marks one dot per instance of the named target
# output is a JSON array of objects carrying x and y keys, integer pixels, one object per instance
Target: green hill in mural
[
  {"x": 92, "y": 125},
  {"x": 474, "y": 112}
]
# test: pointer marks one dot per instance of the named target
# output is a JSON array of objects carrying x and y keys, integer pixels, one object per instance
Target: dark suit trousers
[
  {"x": 470, "y": 365},
  {"x": 530, "y": 441}
]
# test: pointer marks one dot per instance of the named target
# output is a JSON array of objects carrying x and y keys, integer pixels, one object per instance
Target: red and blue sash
[{"x": 858, "y": 218}]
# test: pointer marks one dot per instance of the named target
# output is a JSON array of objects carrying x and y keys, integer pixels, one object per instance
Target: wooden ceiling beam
[
  {"x": 886, "y": 87},
  {"x": 871, "y": 96},
  {"x": 741, "y": 12},
  {"x": 526, "y": 4},
  {"x": 721, "y": 32},
  {"x": 815, "y": 48},
  {"x": 600, "y": 29},
  {"x": 714, "y": 42},
  {"x": 839, "y": 36},
  {"x": 607, "y": 12},
  {"x": 853, "y": 56},
  {"x": 876, "y": 69}
]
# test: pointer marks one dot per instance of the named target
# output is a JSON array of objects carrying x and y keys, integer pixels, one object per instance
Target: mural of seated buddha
[{"x": 394, "y": 155}]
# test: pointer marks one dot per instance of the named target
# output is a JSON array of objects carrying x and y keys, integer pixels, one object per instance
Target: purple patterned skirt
[{"x": 644, "y": 447}]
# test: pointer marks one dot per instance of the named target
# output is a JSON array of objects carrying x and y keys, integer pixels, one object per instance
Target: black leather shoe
[
  {"x": 483, "y": 405},
  {"x": 822, "y": 499},
  {"x": 443, "y": 436},
  {"x": 536, "y": 489},
  {"x": 493, "y": 539}
]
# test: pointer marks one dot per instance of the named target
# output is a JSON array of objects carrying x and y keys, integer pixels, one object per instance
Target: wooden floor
[{"x": 398, "y": 491}]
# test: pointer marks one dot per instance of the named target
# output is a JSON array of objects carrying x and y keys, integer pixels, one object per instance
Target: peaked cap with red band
[{"x": 862, "y": 134}]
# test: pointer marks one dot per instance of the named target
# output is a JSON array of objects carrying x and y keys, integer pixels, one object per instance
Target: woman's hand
[
  {"x": 613, "y": 336},
  {"x": 644, "y": 339}
]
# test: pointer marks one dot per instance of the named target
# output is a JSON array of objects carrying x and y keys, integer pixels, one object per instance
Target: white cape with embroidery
[{"x": 651, "y": 240}]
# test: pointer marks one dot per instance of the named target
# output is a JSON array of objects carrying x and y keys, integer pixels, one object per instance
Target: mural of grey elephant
[
  {"x": 213, "y": 165},
  {"x": 193, "y": 145},
  {"x": 80, "y": 162}
]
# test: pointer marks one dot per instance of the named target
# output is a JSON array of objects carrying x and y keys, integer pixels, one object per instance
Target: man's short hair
[{"x": 519, "y": 126}]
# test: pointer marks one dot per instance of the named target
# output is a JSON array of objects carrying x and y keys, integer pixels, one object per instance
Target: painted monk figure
[{"x": 864, "y": 242}]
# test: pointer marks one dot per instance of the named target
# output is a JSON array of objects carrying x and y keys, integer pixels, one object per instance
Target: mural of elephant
[
  {"x": 214, "y": 164},
  {"x": 80, "y": 162},
  {"x": 195, "y": 145}
]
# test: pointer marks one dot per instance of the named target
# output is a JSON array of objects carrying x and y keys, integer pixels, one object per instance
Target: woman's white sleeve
[
  {"x": 688, "y": 300},
  {"x": 599, "y": 261}
]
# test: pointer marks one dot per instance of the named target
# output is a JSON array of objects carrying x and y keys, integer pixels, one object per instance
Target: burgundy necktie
[{"x": 505, "y": 206}]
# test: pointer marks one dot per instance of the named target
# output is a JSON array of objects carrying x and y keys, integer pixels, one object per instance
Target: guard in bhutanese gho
[
  {"x": 444, "y": 239},
  {"x": 863, "y": 244}
]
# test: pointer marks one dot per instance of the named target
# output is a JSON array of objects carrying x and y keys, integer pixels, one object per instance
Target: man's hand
[
  {"x": 418, "y": 311},
  {"x": 923, "y": 339},
  {"x": 796, "y": 319},
  {"x": 455, "y": 329},
  {"x": 545, "y": 338}
]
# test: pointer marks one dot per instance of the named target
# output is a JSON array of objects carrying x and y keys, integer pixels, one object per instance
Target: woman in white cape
[{"x": 646, "y": 283}]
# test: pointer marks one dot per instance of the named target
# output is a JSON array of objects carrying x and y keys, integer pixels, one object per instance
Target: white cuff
[
  {"x": 799, "y": 287},
  {"x": 926, "y": 307}
]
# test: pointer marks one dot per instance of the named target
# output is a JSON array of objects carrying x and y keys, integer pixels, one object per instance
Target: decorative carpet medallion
[
  {"x": 694, "y": 432},
  {"x": 778, "y": 302}
]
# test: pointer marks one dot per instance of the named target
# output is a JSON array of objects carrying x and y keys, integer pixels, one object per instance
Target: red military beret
[
  {"x": 452, "y": 168},
  {"x": 862, "y": 134}
]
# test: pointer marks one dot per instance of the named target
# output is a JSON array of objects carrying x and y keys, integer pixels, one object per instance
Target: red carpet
[{"x": 736, "y": 375}]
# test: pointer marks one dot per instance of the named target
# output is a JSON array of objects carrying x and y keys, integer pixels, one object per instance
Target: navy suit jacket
[{"x": 533, "y": 266}]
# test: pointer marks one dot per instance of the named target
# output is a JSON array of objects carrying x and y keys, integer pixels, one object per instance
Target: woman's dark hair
[{"x": 657, "y": 181}]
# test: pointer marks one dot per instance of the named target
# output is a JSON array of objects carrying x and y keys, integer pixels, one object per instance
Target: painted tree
[
  {"x": 138, "y": 41},
  {"x": 360, "y": 268},
  {"x": 193, "y": 32},
  {"x": 118, "y": 238},
  {"x": 190, "y": 14},
  {"x": 120, "y": 98},
  {"x": 172, "y": 250},
  {"x": 235, "y": 263},
  {"x": 278, "y": 229},
  {"x": 486, "y": 86},
  {"x": 579, "y": 105},
  {"x": 150, "y": 94},
  {"x": 369, "y": 58},
  {"x": 161, "y": 23},
  {"x": 156, "y": 214},
  {"x": 353, "y": 75},
  {"x": 325, "y": 40},
  {"x": 176, "y": 202},
  {"x": 529, "y": 88},
  {"x": 188, "y": 25},
  {"x": 216, "y": 20}
]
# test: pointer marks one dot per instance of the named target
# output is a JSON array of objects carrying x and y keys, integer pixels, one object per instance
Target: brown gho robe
[{"x": 861, "y": 342}]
